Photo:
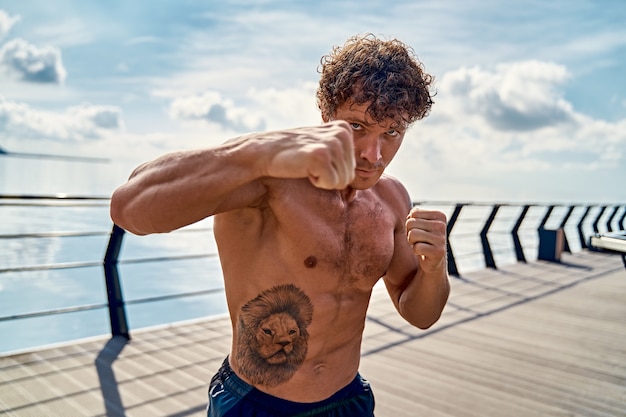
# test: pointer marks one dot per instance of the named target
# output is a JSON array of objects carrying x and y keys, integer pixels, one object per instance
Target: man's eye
[
  {"x": 392, "y": 133},
  {"x": 356, "y": 126}
]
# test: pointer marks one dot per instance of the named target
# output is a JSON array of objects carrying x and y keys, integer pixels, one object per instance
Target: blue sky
[{"x": 531, "y": 102}]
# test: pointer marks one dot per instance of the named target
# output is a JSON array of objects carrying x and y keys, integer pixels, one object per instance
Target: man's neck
[{"x": 348, "y": 194}]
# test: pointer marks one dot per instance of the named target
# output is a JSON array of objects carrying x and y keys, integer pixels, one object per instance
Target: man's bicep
[{"x": 252, "y": 194}]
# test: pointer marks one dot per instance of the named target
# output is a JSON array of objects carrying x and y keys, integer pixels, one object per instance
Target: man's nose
[{"x": 370, "y": 148}]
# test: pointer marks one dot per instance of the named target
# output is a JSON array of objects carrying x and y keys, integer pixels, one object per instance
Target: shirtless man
[{"x": 306, "y": 223}]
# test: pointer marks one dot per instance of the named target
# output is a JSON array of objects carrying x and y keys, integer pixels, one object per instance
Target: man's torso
[{"x": 299, "y": 270}]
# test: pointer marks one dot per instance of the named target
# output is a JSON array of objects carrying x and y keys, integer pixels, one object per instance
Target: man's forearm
[{"x": 423, "y": 300}]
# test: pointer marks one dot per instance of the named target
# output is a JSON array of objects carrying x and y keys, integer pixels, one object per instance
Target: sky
[{"x": 530, "y": 103}]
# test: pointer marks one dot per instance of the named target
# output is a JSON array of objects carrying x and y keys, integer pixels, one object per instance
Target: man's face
[{"x": 375, "y": 143}]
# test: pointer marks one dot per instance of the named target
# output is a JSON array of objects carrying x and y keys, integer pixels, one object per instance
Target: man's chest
[{"x": 354, "y": 240}]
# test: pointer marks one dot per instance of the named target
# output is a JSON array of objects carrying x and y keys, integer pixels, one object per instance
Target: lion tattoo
[{"x": 272, "y": 335}]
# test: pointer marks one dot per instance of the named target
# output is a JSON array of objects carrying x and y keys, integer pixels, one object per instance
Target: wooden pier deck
[{"x": 536, "y": 339}]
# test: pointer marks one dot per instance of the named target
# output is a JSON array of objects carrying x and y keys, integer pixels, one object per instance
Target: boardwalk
[{"x": 537, "y": 339}]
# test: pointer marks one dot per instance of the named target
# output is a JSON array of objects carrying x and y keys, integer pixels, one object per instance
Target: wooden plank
[{"x": 551, "y": 356}]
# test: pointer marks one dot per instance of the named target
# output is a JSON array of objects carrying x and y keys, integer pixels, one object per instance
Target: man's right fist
[{"x": 324, "y": 154}]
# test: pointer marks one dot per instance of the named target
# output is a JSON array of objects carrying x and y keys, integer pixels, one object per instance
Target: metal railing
[
  {"x": 563, "y": 220},
  {"x": 499, "y": 233},
  {"x": 111, "y": 239}
]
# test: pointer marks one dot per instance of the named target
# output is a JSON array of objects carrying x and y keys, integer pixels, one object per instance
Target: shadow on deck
[{"x": 536, "y": 339}]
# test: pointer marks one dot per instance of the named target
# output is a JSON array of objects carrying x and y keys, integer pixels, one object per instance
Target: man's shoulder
[
  {"x": 390, "y": 184},
  {"x": 388, "y": 180},
  {"x": 393, "y": 192}
]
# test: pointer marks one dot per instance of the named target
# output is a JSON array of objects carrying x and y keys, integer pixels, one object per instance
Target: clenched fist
[
  {"x": 426, "y": 232},
  {"x": 324, "y": 154}
]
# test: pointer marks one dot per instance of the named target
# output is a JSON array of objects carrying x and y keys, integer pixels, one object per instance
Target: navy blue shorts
[{"x": 230, "y": 396}]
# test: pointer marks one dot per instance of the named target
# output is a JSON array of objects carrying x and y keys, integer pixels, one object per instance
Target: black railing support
[
  {"x": 452, "y": 269},
  {"x": 519, "y": 251},
  {"x": 550, "y": 240},
  {"x": 566, "y": 247},
  {"x": 117, "y": 309},
  {"x": 490, "y": 262},
  {"x": 596, "y": 222},
  {"x": 621, "y": 220},
  {"x": 581, "y": 234},
  {"x": 611, "y": 217},
  {"x": 546, "y": 216}
]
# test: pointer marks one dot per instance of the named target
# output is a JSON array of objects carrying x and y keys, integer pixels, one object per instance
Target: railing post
[
  {"x": 490, "y": 262},
  {"x": 611, "y": 217},
  {"x": 621, "y": 220},
  {"x": 581, "y": 234},
  {"x": 452, "y": 269},
  {"x": 542, "y": 225},
  {"x": 550, "y": 241},
  {"x": 566, "y": 247},
  {"x": 519, "y": 251},
  {"x": 597, "y": 220},
  {"x": 117, "y": 309}
]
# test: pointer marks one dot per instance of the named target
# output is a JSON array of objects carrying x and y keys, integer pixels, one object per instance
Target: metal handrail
[
  {"x": 116, "y": 303},
  {"x": 65, "y": 201}
]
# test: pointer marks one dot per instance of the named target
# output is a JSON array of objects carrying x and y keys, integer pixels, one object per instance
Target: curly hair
[{"x": 386, "y": 74}]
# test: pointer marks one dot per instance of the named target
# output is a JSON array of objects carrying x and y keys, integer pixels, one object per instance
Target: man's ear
[{"x": 325, "y": 118}]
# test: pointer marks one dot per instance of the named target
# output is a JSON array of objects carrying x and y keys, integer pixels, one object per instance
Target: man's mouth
[{"x": 366, "y": 171}]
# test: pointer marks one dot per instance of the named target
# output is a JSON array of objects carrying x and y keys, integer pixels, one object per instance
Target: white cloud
[
  {"x": 520, "y": 96},
  {"x": 295, "y": 106},
  {"x": 211, "y": 107},
  {"x": 595, "y": 44},
  {"x": 31, "y": 63},
  {"x": 6, "y": 23},
  {"x": 96, "y": 117},
  {"x": 67, "y": 32},
  {"x": 475, "y": 139},
  {"x": 509, "y": 120},
  {"x": 142, "y": 39},
  {"x": 77, "y": 123}
]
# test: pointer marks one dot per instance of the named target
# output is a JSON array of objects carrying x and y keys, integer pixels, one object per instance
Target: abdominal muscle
[
  {"x": 297, "y": 331},
  {"x": 298, "y": 288},
  {"x": 331, "y": 350}
]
